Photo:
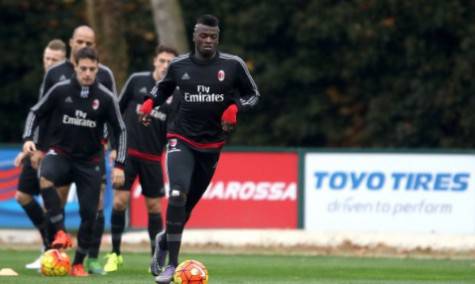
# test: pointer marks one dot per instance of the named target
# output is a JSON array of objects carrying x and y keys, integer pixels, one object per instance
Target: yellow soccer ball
[{"x": 55, "y": 263}]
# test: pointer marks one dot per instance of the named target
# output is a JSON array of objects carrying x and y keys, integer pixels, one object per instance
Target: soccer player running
[
  {"x": 83, "y": 36},
  {"x": 145, "y": 147},
  {"x": 28, "y": 185},
  {"x": 213, "y": 86},
  {"x": 76, "y": 108}
]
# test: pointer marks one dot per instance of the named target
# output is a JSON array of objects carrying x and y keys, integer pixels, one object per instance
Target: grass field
[{"x": 266, "y": 269}]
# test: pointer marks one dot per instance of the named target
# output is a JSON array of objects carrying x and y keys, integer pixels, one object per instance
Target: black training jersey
[
  {"x": 144, "y": 142},
  {"x": 76, "y": 116},
  {"x": 62, "y": 71},
  {"x": 206, "y": 89}
]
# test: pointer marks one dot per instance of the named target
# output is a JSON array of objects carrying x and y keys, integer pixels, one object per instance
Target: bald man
[{"x": 83, "y": 36}]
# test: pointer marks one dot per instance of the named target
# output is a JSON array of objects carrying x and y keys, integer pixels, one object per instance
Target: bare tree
[
  {"x": 104, "y": 17},
  {"x": 169, "y": 23}
]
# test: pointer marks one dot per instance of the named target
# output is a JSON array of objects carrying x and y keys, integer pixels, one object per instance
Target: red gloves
[
  {"x": 229, "y": 115},
  {"x": 147, "y": 107}
]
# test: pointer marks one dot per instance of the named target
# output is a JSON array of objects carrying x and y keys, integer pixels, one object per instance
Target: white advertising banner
[{"x": 384, "y": 192}]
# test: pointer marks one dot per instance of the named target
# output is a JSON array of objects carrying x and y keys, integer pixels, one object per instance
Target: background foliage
[{"x": 367, "y": 73}]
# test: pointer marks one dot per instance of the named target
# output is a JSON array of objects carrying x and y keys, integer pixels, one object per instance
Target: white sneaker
[{"x": 35, "y": 264}]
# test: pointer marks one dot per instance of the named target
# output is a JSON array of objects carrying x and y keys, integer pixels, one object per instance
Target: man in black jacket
[
  {"x": 212, "y": 86},
  {"x": 83, "y": 36},
  {"x": 77, "y": 109}
]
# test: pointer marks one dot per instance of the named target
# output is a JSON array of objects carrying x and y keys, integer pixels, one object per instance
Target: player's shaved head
[
  {"x": 84, "y": 30},
  {"x": 83, "y": 36}
]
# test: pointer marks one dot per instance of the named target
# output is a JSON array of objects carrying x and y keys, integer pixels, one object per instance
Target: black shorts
[
  {"x": 62, "y": 170},
  {"x": 190, "y": 171},
  {"x": 149, "y": 174},
  {"x": 28, "y": 180}
]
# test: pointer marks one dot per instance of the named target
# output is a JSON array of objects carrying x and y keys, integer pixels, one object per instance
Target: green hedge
[{"x": 332, "y": 73}]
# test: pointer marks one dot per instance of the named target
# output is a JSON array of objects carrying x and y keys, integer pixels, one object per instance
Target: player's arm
[
  {"x": 126, "y": 94},
  {"x": 159, "y": 94},
  {"x": 124, "y": 99},
  {"x": 249, "y": 94},
  {"x": 163, "y": 90},
  {"x": 46, "y": 84},
  {"x": 109, "y": 80},
  {"x": 114, "y": 119},
  {"x": 38, "y": 112},
  {"x": 170, "y": 105}
]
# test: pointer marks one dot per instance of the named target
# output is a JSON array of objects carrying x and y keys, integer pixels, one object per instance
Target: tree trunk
[
  {"x": 104, "y": 17},
  {"x": 169, "y": 24}
]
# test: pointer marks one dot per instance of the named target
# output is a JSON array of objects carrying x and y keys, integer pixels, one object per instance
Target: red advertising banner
[{"x": 249, "y": 190}]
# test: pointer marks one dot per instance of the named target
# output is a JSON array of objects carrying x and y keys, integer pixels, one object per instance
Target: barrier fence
[{"x": 310, "y": 189}]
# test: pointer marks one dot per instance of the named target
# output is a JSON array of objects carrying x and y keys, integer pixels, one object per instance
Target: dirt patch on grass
[{"x": 331, "y": 245}]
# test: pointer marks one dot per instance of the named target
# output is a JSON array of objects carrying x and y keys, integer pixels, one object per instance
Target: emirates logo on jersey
[
  {"x": 95, "y": 104},
  {"x": 221, "y": 75}
]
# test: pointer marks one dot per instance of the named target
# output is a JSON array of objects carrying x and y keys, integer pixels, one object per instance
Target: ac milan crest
[
  {"x": 171, "y": 147},
  {"x": 95, "y": 104},
  {"x": 221, "y": 75},
  {"x": 172, "y": 143}
]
